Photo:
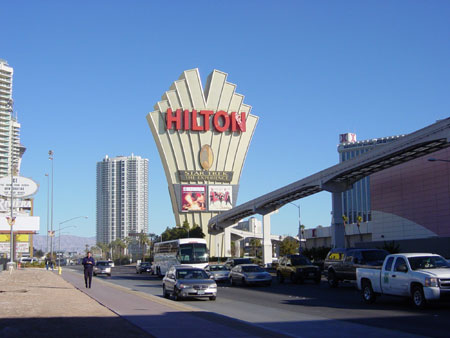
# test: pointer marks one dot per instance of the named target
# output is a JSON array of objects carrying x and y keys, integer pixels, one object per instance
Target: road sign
[{"x": 22, "y": 186}]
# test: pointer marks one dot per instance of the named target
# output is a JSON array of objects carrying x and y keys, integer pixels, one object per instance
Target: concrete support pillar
[
  {"x": 337, "y": 227},
  {"x": 237, "y": 248},
  {"x": 227, "y": 242},
  {"x": 267, "y": 242},
  {"x": 278, "y": 249}
]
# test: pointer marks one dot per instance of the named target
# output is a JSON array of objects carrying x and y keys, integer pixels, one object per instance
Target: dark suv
[
  {"x": 297, "y": 268},
  {"x": 341, "y": 264}
]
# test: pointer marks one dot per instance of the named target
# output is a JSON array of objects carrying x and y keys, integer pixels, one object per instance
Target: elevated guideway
[{"x": 336, "y": 180}]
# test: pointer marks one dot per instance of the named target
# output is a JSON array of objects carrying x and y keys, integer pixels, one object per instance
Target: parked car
[
  {"x": 421, "y": 276},
  {"x": 246, "y": 274},
  {"x": 232, "y": 262},
  {"x": 297, "y": 269},
  {"x": 111, "y": 263},
  {"x": 183, "y": 281},
  {"x": 102, "y": 268},
  {"x": 341, "y": 264},
  {"x": 220, "y": 272},
  {"x": 144, "y": 267}
]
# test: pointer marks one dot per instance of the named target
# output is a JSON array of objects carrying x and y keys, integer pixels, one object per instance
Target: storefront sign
[
  {"x": 221, "y": 121},
  {"x": 205, "y": 176}
]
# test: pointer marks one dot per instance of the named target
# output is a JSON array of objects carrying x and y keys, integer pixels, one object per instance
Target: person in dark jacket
[{"x": 88, "y": 263}]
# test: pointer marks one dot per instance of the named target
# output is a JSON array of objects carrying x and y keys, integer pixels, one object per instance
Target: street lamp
[
  {"x": 48, "y": 206},
  {"x": 59, "y": 241},
  {"x": 50, "y": 157},
  {"x": 59, "y": 230},
  {"x": 299, "y": 228},
  {"x": 437, "y": 160}
]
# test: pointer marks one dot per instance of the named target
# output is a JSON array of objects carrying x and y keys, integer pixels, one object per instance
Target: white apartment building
[
  {"x": 122, "y": 197},
  {"x": 9, "y": 127}
]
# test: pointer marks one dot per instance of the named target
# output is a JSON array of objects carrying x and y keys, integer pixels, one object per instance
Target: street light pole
[
  {"x": 50, "y": 157},
  {"x": 48, "y": 207},
  {"x": 299, "y": 228}
]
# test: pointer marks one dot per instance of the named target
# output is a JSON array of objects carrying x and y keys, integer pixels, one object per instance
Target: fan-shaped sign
[
  {"x": 206, "y": 157},
  {"x": 22, "y": 186}
]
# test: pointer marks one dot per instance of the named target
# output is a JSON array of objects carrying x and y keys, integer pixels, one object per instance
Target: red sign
[{"x": 221, "y": 121}]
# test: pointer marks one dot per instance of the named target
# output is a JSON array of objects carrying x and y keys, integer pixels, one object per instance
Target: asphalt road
[{"x": 292, "y": 308}]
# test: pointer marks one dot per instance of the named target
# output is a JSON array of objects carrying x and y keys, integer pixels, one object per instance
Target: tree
[
  {"x": 289, "y": 246},
  {"x": 104, "y": 247},
  {"x": 144, "y": 240},
  {"x": 255, "y": 247},
  {"x": 183, "y": 231}
]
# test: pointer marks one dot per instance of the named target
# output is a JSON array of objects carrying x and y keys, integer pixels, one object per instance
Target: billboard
[
  {"x": 193, "y": 198},
  {"x": 220, "y": 197}
]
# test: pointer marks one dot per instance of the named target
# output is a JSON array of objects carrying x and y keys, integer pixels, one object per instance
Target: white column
[
  {"x": 267, "y": 242},
  {"x": 227, "y": 242},
  {"x": 337, "y": 227},
  {"x": 237, "y": 248}
]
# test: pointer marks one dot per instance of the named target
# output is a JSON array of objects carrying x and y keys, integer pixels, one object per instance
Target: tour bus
[{"x": 183, "y": 251}]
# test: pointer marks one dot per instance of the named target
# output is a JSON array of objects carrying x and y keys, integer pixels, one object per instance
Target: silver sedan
[
  {"x": 246, "y": 274},
  {"x": 220, "y": 272}
]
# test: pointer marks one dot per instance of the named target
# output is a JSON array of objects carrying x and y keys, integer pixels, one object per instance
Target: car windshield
[
  {"x": 242, "y": 261},
  {"x": 191, "y": 274},
  {"x": 193, "y": 253},
  {"x": 428, "y": 262},
  {"x": 102, "y": 264},
  {"x": 218, "y": 268},
  {"x": 374, "y": 255},
  {"x": 298, "y": 260},
  {"x": 145, "y": 264},
  {"x": 252, "y": 268}
]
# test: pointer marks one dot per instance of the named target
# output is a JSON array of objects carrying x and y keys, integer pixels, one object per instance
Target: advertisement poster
[
  {"x": 193, "y": 198},
  {"x": 220, "y": 197}
]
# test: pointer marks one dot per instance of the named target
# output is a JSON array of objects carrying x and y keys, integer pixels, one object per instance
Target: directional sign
[{"x": 22, "y": 186}]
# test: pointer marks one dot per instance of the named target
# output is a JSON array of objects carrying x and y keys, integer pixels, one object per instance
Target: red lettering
[
  {"x": 170, "y": 119},
  {"x": 186, "y": 119},
  {"x": 206, "y": 114},
  {"x": 195, "y": 126},
  {"x": 238, "y": 122},
  {"x": 226, "y": 121}
]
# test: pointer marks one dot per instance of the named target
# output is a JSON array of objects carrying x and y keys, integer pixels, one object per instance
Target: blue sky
[{"x": 87, "y": 73}]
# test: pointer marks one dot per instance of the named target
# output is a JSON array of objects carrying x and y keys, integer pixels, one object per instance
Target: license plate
[{"x": 200, "y": 292}]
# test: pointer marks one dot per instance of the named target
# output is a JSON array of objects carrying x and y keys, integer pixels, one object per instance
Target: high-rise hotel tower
[
  {"x": 122, "y": 197},
  {"x": 9, "y": 127}
]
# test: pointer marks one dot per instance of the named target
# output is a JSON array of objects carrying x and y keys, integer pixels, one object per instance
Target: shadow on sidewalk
[{"x": 69, "y": 327}]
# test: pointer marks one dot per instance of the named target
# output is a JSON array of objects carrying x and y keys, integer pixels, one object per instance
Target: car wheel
[
  {"x": 212, "y": 298},
  {"x": 293, "y": 278},
  {"x": 280, "y": 278},
  {"x": 109, "y": 275},
  {"x": 137, "y": 272},
  {"x": 176, "y": 295},
  {"x": 332, "y": 281},
  {"x": 95, "y": 275},
  {"x": 165, "y": 293},
  {"x": 418, "y": 297},
  {"x": 367, "y": 293},
  {"x": 231, "y": 281}
]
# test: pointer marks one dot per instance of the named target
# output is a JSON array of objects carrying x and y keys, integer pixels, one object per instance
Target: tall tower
[
  {"x": 203, "y": 135},
  {"x": 9, "y": 127},
  {"x": 122, "y": 197}
]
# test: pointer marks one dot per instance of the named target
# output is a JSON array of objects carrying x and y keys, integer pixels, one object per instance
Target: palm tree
[{"x": 144, "y": 240}]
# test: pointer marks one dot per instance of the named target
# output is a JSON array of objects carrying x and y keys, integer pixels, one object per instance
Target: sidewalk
[{"x": 39, "y": 303}]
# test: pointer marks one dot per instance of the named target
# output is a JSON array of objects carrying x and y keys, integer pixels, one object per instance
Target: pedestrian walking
[
  {"x": 88, "y": 263},
  {"x": 46, "y": 262}
]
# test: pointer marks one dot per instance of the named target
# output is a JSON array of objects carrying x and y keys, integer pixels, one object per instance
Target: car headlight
[
  {"x": 213, "y": 286},
  {"x": 183, "y": 286},
  {"x": 431, "y": 281}
]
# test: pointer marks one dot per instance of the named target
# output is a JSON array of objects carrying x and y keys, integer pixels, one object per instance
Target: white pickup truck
[{"x": 421, "y": 276}]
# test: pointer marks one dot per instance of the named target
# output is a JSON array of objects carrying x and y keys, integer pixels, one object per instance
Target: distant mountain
[{"x": 68, "y": 243}]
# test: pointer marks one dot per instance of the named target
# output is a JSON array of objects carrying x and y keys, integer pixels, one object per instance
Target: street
[{"x": 293, "y": 309}]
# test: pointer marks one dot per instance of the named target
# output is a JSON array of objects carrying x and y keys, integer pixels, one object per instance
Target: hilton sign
[
  {"x": 203, "y": 135},
  {"x": 221, "y": 121}
]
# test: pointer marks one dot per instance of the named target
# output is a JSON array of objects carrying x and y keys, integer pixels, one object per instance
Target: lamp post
[
  {"x": 59, "y": 241},
  {"x": 299, "y": 228},
  {"x": 59, "y": 230},
  {"x": 437, "y": 160},
  {"x": 50, "y": 157},
  {"x": 48, "y": 206}
]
